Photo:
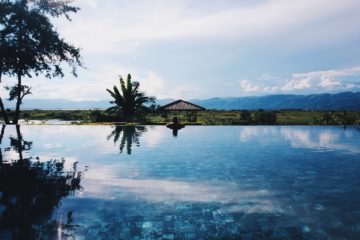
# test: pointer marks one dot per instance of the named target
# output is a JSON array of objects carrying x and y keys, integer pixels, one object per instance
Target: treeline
[
  {"x": 258, "y": 117},
  {"x": 338, "y": 118},
  {"x": 151, "y": 115},
  {"x": 243, "y": 117},
  {"x": 86, "y": 116}
]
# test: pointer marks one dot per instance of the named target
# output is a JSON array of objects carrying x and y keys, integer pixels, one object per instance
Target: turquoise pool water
[{"x": 232, "y": 182}]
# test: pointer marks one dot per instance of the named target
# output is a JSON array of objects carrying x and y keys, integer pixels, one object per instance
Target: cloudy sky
[{"x": 211, "y": 48}]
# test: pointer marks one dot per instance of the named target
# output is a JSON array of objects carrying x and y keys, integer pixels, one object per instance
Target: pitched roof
[{"x": 182, "y": 105}]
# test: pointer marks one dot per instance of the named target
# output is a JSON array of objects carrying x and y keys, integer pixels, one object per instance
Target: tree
[
  {"x": 129, "y": 103},
  {"x": 30, "y": 45},
  {"x": 245, "y": 115},
  {"x": 264, "y": 117}
]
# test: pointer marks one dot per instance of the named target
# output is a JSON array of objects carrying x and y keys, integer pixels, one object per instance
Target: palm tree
[{"x": 129, "y": 102}]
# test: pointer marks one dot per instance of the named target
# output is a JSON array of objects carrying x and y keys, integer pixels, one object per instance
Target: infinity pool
[{"x": 238, "y": 182}]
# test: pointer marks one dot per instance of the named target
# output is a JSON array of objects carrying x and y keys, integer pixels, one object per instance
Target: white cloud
[
  {"x": 91, "y": 3},
  {"x": 297, "y": 85},
  {"x": 101, "y": 185},
  {"x": 327, "y": 139},
  {"x": 329, "y": 83},
  {"x": 248, "y": 87},
  {"x": 102, "y": 77},
  {"x": 103, "y": 28},
  {"x": 319, "y": 81},
  {"x": 118, "y": 37},
  {"x": 324, "y": 80}
]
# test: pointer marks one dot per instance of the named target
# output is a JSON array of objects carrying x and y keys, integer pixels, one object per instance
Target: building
[{"x": 182, "y": 109}]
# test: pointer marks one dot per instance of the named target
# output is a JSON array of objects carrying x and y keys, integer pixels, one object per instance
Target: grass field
[
  {"x": 297, "y": 117},
  {"x": 209, "y": 117}
]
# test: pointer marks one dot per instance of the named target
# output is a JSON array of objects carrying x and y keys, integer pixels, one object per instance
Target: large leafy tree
[
  {"x": 129, "y": 100},
  {"x": 30, "y": 45}
]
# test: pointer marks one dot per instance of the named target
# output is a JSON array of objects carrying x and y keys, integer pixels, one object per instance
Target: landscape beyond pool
[{"x": 205, "y": 182}]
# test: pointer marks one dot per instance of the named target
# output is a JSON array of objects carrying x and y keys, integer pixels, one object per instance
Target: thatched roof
[{"x": 181, "y": 105}]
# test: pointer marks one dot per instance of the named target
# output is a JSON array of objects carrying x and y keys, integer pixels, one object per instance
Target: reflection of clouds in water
[
  {"x": 154, "y": 137},
  {"x": 326, "y": 138},
  {"x": 306, "y": 138},
  {"x": 258, "y": 206},
  {"x": 69, "y": 161},
  {"x": 118, "y": 181},
  {"x": 52, "y": 145},
  {"x": 247, "y": 133},
  {"x": 250, "y": 132},
  {"x": 309, "y": 139},
  {"x": 297, "y": 138},
  {"x": 101, "y": 172},
  {"x": 11, "y": 155},
  {"x": 161, "y": 190},
  {"x": 70, "y": 138}
]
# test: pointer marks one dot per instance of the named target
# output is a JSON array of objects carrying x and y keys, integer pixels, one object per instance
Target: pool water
[{"x": 207, "y": 182}]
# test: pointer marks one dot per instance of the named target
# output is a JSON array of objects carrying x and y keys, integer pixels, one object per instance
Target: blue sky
[{"x": 211, "y": 48}]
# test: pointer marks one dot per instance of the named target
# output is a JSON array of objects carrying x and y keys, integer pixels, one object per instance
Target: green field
[{"x": 209, "y": 117}]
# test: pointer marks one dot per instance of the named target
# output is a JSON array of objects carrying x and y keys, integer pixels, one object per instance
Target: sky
[{"x": 210, "y": 48}]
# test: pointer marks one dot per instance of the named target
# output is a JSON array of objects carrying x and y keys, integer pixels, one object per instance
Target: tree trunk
[
  {"x": 4, "y": 113},
  {"x": 18, "y": 100}
]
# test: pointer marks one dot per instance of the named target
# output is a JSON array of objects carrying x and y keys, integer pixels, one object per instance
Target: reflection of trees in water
[
  {"x": 31, "y": 191},
  {"x": 127, "y": 136},
  {"x": 1, "y": 138}
]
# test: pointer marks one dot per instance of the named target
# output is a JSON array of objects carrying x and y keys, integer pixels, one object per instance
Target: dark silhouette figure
[
  {"x": 175, "y": 121},
  {"x": 175, "y": 132},
  {"x": 129, "y": 135},
  {"x": 175, "y": 126},
  {"x": 30, "y": 192}
]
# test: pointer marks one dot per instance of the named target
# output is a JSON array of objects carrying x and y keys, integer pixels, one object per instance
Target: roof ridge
[{"x": 186, "y": 102}]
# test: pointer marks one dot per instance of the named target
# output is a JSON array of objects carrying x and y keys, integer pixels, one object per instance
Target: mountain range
[
  {"x": 339, "y": 101},
  {"x": 326, "y": 101}
]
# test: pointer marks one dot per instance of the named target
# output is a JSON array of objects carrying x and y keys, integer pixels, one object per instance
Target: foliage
[
  {"x": 238, "y": 117},
  {"x": 209, "y": 117},
  {"x": 101, "y": 116},
  {"x": 30, "y": 45},
  {"x": 129, "y": 100},
  {"x": 264, "y": 117},
  {"x": 338, "y": 118},
  {"x": 245, "y": 116}
]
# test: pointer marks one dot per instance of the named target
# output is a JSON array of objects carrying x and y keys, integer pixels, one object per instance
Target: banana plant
[{"x": 129, "y": 100}]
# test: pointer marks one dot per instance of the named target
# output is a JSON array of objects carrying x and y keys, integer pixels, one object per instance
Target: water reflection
[
  {"x": 316, "y": 138},
  {"x": 212, "y": 183},
  {"x": 127, "y": 136},
  {"x": 30, "y": 191}
]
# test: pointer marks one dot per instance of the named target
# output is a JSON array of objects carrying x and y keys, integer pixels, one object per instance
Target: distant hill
[{"x": 339, "y": 101}]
